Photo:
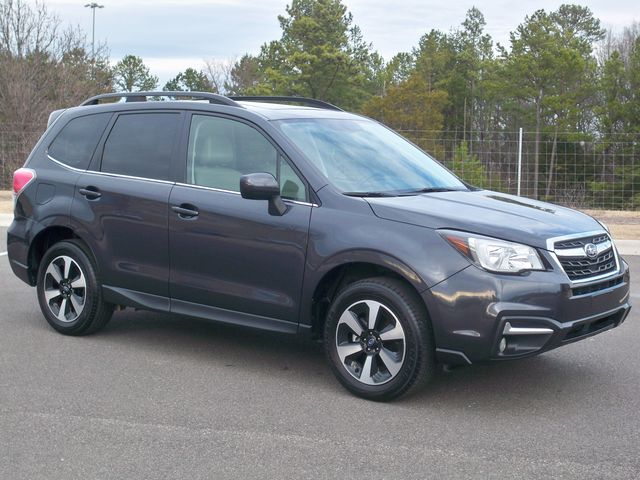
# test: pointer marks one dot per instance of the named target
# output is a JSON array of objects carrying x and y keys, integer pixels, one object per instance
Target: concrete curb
[{"x": 625, "y": 247}]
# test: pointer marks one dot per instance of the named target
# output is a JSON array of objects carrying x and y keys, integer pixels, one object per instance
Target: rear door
[
  {"x": 230, "y": 253},
  {"x": 121, "y": 204}
]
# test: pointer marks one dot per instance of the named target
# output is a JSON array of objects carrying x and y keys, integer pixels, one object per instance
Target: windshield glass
[{"x": 363, "y": 157}]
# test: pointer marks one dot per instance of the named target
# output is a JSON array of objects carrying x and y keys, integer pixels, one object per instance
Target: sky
[{"x": 172, "y": 35}]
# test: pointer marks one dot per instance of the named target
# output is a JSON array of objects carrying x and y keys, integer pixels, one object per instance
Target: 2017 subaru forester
[{"x": 301, "y": 219}]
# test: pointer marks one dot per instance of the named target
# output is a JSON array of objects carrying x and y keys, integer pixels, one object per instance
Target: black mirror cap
[
  {"x": 259, "y": 186},
  {"x": 263, "y": 186}
]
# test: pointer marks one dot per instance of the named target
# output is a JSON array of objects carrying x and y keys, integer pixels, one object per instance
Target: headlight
[{"x": 493, "y": 254}]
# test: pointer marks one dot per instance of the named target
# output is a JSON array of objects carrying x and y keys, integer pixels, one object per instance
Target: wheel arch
[
  {"x": 43, "y": 241},
  {"x": 351, "y": 267}
]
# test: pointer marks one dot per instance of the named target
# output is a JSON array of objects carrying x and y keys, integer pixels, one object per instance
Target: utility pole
[{"x": 93, "y": 7}]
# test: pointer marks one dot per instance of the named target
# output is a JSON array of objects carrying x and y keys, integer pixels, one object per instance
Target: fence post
[{"x": 519, "y": 160}]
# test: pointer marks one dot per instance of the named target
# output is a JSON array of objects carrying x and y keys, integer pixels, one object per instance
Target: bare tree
[
  {"x": 218, "y": 72},
  {"x": 42, "y": 68}
]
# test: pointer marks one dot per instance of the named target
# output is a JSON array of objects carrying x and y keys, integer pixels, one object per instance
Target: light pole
[{"x": 93, "y": 7}]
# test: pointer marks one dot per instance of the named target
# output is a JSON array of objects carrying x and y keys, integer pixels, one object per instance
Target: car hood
[{"x": 488, "y": 213}]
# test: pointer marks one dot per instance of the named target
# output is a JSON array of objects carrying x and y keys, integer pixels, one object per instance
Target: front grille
[
  {"x": 581, "y": 242},
  {"x": 578, "y": 266}
]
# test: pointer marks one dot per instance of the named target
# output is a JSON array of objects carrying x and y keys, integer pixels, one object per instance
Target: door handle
[
  {"x": 185, "y": 210},
  {"x": 91, "y": 193}
]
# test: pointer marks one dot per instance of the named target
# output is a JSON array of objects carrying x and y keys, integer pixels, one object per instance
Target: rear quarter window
[{"x": 77, "y": 141}]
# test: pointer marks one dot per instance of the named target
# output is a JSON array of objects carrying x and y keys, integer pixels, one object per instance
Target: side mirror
[{"x": 263, "y": 186}]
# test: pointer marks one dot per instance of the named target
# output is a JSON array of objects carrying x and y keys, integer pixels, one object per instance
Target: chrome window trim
[
  {"x": 117, "y": 175},
  {"x": 62, "y": 164},
  {"x": 221, "y": 190},
  {"x": 554, "y": 256},
  {"x": 109, "y": 174}
]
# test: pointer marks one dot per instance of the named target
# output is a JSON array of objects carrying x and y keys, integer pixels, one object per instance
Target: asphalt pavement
[{"x": 159, "y": 396}]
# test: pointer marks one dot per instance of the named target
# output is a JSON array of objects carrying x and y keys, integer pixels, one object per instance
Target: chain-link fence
[
  {"x": 16, "y": 142},
  {"x": 602, "y": 174}
]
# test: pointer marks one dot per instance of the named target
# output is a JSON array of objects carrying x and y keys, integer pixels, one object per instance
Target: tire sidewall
[
  {"x": 414, "y": 345},
  {"x": 91, "y": 293}
]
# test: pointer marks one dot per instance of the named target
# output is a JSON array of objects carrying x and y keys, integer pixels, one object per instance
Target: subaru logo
[{"x": 591, "y": 250}]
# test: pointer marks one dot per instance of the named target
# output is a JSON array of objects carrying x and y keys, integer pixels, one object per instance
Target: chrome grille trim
[{"x": 572, "y": 255}]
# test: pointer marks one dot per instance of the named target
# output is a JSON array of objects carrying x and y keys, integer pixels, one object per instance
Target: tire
[
  {"x": 69, "y": 291},
  {"x": 384, "y": 356}
]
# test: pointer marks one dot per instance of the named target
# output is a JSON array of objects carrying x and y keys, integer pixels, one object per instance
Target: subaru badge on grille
[{"x": 591, "y": 250}]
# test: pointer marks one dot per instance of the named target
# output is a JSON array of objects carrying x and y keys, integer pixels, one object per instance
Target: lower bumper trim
[{"x": 452, "y": 357}]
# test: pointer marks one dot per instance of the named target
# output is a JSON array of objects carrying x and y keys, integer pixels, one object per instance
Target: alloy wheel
[
  {"x": 370, "y": 342},
  {"x": 65, "y": 288}
]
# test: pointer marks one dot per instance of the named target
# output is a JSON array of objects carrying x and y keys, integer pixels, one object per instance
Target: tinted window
[
  {"x": 75, "y": 144},
  {"x": 140, "y": 145},
  {"x": 222, "y": 150}
]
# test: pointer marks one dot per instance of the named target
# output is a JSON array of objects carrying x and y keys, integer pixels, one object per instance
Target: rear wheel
[
  {"x": 378, "y": 338},
  {"x": 69, "y": 291}
]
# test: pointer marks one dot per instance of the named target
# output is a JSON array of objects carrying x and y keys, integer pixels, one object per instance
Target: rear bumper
[
  {"x": 18, "y": 241},
  {"x": 480, "y": 317}
]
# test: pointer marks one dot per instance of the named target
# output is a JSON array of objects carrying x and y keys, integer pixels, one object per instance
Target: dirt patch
[
  {"x": 6, "y": 202},
  {"x": 615, "y": 217},
  {"x": 624, "y": 225}
]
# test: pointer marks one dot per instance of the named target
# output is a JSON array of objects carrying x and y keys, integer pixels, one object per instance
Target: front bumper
[{"x": 479, "y": 316}]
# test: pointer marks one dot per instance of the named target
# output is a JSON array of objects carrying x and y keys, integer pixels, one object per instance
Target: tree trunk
[
  {"x": 552, "y": 163},
  {"x": 536, "y": 148}
]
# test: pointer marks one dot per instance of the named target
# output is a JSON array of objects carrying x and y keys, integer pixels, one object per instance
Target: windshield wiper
[{"x": 369, "y": 194}]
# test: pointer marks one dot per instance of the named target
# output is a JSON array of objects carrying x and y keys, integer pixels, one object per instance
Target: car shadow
[{"x": 500, "y": 387}]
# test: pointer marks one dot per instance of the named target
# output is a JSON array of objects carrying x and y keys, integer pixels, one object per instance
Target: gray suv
[{"x": 301, "y": 219}]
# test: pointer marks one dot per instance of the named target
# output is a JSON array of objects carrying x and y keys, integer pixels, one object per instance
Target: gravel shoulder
[{"x": 6, "y": 203}]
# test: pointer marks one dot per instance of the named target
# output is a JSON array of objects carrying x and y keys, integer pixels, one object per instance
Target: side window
[
  {"x": 291, "y": 186},
  {"x": 222, "y": 150},
  {"x": 140, "y": 145},
  {"x": 76, "y": 142}
]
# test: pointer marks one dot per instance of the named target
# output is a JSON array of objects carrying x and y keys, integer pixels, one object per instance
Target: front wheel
[
  {"x": 378, "y": 338},
  {"x": 69, "y": 291}
]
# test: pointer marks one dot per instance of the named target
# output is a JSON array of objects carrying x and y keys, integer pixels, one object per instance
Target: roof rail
[
  {"x": 142, "y": 97},
  {"x": 311, "y": 102}
]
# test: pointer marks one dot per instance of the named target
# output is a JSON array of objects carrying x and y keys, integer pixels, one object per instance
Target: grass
[{"x": 624, "y": 225}]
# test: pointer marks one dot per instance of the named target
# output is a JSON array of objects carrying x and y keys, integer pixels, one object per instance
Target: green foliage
[
  {"x": 132, "y": 75},
  {"x": 191, "y": 80},
  {"x": 412, "y": 108},
  {"x": 246, "y": 78},
  {"x": 469, "y": 168},
  {"x": 321, "y": 54}
]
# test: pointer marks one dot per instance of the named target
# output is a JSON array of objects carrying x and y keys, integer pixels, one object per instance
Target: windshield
[{"x": 362, "y": 157}]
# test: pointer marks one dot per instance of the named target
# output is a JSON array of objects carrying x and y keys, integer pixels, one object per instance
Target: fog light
[{"x": 503, "y": 345}]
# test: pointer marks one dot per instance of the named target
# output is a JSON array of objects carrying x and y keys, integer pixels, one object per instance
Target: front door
[{"x": 228, "y": 254}]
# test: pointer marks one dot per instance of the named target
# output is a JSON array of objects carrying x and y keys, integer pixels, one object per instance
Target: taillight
[{"x": 21, "y": 178}]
